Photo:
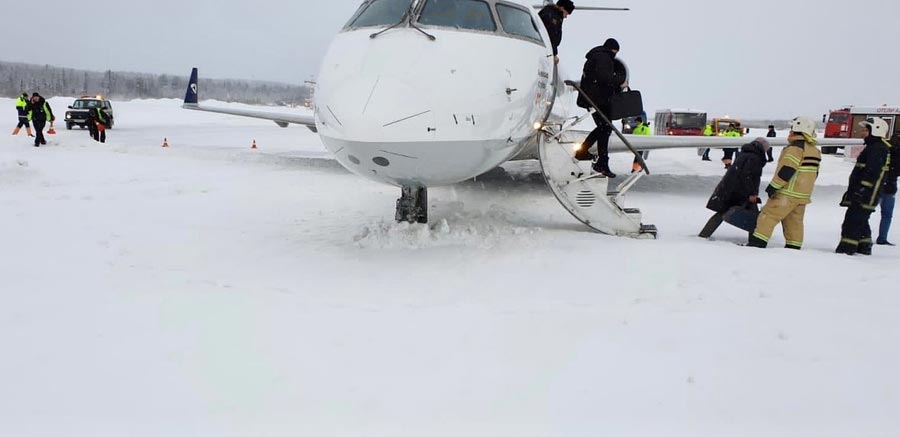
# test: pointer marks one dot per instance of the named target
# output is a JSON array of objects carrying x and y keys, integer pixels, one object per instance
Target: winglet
[{"x": 192, "y": 96}]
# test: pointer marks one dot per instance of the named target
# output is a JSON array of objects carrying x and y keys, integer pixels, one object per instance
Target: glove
[{"x": 770, "y": 190}]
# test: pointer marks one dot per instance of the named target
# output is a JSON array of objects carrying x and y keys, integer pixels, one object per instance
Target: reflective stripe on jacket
[{"x": 798, "y": 169}]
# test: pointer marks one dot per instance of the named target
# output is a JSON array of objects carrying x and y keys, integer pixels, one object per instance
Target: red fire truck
[
  {"x": 681, "y": 122},
  {"x": 844, "y": 123}
]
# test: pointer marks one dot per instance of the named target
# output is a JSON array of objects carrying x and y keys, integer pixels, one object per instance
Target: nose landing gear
[{"x": 412, "y": 206}]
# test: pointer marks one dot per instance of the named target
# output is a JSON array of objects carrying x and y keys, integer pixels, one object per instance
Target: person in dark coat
[
  {"x": 864, "y": 190},
  {"x": 603, "y": 77},
  {"x": 98, "y": 122},
  {"x": 552, "y": 16},
  {"x": 740, "y": 185},
  {"x": 889, "y": 195},
  {"x": 39, "y": 112},
  {"x": 771, "y": 134}
]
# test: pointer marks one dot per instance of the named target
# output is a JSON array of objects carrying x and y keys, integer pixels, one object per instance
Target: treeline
[{"x": 50, "y": 81}]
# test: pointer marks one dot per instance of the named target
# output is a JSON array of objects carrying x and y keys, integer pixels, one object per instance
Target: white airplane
[{"x": 427, "y": 93}]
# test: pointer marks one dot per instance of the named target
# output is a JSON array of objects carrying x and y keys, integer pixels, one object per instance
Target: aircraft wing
[
  {"x": 644, "y": 142},
  {"x": 648, "y": 143},
  {"x": 192, "y": 102}
]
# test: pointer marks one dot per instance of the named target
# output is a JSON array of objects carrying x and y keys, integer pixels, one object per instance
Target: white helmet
[
  {"x": 879, "y": 127},
  {"x": 804, "y": 125}
]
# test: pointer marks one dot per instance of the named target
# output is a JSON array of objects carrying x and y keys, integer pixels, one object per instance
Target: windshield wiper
[{"x": 405, "y": 19}]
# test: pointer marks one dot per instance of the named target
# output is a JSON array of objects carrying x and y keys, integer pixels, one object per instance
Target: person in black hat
[
  {"x": 771, "y": 134},
  {"x": 553, "y": 16},
  {"x": 39, "y": 113},
  {"x": 602, "y": 78}
]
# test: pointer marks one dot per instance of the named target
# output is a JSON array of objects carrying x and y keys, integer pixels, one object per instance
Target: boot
[
  {"x": 846, "y": 249},
  {"x": 757, "y": 242},
  {"x": 30, "y": 133},
  {"x": 603, "y": 169},
  {"x": 582, "y": 154},
  {"x": 864, "y": 249},
  {"x": 601, "y": 165}
]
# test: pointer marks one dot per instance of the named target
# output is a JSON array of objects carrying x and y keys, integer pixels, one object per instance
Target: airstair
[{"x": 589, "y": 197}]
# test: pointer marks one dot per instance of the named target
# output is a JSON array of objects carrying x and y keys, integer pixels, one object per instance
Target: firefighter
[
  {"x": 728, "y": 153},
  {"x": 39, "y": 113},
  {"x": 707, "y": 132},
  {"x": 603, "y": 77},
  {"x": 553, "y": 16},
  {"x": 791, "y": 188},
  {"x": 21, "y": 108},
  {"x": 864, "y": 190},
  {"x": 642, "y": 129},
  {"x": 739, "y": 186},
  {"x": 98, "y": 122},
  {"x": 889, "y": 195},
  {"x": 771, "y": 134}
]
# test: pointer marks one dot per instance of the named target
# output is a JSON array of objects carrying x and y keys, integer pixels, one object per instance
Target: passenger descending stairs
[{"x": 588, "y": 197}]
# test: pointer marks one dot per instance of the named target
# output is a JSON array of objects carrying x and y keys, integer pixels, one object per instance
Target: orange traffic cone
[
  {"x": 165, "y": 142},
  {"x": 254, "y": 145},
  {"x": 51, "y": 131}
]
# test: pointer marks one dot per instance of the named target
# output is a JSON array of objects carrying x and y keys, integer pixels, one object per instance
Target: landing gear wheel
[{"x": 412, "y": 206}]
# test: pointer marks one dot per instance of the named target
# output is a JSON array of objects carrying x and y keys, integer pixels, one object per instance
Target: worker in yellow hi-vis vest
[
  {"x": 22, "y": 109},
  {"x": 643, "y": 128}
]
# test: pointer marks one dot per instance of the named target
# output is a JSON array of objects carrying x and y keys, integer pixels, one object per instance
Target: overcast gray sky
[{"x": 762, "y": 58}]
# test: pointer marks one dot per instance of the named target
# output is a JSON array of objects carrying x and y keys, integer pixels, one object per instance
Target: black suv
[{"x": 78, "y": 111}]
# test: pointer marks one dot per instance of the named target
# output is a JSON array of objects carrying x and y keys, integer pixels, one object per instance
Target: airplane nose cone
[{"x": 379, "y": 109}]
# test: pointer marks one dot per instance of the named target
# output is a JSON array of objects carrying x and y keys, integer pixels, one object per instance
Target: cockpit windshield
[
  {"x": 459, "y": 14},
  {"x": 379, "y": 13},
  {"x": 518, "y": 22}
]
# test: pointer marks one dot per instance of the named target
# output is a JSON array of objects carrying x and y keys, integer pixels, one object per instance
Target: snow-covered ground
[{"x": 211, "y": 290}]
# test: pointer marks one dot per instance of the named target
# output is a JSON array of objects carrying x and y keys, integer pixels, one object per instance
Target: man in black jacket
[
  {"x": 553, "y": 16},
  {"x": 39, "y": 112},
  {"x": 864, "y": 191},
  {"x": 740, "y": 185},
  {"x": 602, "y": 78},
  {"x": 98, "y": 122}
]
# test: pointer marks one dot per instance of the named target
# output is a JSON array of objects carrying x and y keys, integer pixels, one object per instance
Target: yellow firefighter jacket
[{"x": 798, "y": 168}]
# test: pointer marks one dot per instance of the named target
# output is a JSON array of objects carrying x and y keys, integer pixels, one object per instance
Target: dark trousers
[
  {"x": 729, "y": 154},
  {"x": 600, "y": 136},
  {"x": 39, "y": 131},
  {"x": 23, "y": 122},
  {"x": 856, "y": 230},
  {"x": 769, "y": 155},
  {"x": 714, "y": 222},
  {"x": 97, "y": 133}
]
